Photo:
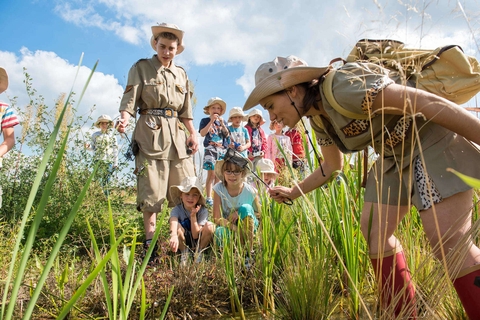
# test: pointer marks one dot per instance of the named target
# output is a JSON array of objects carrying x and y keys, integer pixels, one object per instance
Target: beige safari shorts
[{"x": 154, "y": 178}]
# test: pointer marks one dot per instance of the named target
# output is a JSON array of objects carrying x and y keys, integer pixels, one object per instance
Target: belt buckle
[{"x": 168, "y": 113}]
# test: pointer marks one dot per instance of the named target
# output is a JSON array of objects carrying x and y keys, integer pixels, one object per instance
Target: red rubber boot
[
  {"x": 467, "y": 286},
  {"x": 395, "y": 283}
]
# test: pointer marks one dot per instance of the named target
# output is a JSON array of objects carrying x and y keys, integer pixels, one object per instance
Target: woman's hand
[{"x": 280, "y": 194}]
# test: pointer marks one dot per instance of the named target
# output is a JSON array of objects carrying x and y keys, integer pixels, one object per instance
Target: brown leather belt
[{"x": 166, "y": 113}]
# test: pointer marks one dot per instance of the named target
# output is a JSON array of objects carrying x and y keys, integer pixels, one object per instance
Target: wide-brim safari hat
[
  {"x": 186, "y": 185},
  {"x": 266, "y": 166},
  {"x": 218, "y": 170},
  {"x": 280, "y": 74},
  {"x": 256, "y": 112},
  {"x": 212, "y": 101},
  {"x": 3, "y": 80},
  {"x": 103, "y": 118},
  {"x": 236, "y": 112},
  {"x": 168, "y": 27}
]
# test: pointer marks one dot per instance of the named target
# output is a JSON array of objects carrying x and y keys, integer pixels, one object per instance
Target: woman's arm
[
  {"x": 332, "y": 161},
  {"x": 398, "y": 99}
]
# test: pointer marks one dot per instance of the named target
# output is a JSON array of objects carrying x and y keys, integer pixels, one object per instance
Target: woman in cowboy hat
[
  {"x": 8, "y": 121},
  {"x": 419, "y": 136},
  {"x": 159, "y": 92}
]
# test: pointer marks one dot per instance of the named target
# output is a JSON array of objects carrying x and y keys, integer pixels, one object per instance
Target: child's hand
[
  {"x": 233, "y": 217},
  {"x": 193, "y": 213},
  {"x": 174, "y": 242}
]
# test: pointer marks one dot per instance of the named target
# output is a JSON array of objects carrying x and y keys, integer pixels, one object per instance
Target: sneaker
[
  {"x": 209, "y": 202},
  {"x": 199, "y": 257},
  {"x": 184, "y": 258}
]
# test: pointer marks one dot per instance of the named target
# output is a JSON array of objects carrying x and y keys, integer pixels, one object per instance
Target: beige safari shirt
[{"x": 153, "y": 86}]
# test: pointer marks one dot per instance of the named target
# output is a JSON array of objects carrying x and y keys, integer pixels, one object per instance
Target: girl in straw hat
[
  {"x": 8, "y": 121},
  {"x": 189, "y": 225},
  {"x": 236, "y": 205},
  {"x": 258, "y": 139},
  {"x": 276, "y": 139},
  {"x": 419, "y": 136}
]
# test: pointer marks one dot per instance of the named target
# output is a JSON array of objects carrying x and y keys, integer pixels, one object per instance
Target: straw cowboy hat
[
  {"x": 236, "y": 112},
  {"x": 103, "y": 118},
  {"x": 167, "y": 27},
  {"x": 219, "y": 168},
  {"x": 280, "y": 74},
  {"x": 214, "y": 100},
  {"x": 266, "y": 166},
  {"x": 256, "y": 112},
  {"x": 3, "y": 80},
  {"x": 186, "y": 185}
]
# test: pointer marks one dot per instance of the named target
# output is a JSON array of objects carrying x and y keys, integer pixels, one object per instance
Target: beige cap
[
  {"x": 167, "y": 27},
  {"x": 278, "y": 75},
  {"x": 186, "y": 185},
  {"x": 212, "y": 101},
  {"x": 103, "y": 118}
]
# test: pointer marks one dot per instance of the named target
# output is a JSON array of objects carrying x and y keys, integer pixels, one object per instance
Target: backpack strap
[{"x": 327, "y": 91}]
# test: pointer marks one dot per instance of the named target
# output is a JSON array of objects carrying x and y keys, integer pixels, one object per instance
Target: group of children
[
  {"x": 250, "y": 141},
  {"x": 234, "y": 200}
]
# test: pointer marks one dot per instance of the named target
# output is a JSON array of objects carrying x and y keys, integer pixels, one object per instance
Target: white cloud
[
  {"x": 251, "y": 32},
  {"x": 52, "y": 76}
]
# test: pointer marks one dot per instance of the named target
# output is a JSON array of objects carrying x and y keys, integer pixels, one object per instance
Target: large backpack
[{"x": 446, "y": 71}]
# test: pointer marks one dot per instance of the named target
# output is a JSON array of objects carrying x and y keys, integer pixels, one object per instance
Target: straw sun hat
[
  {"x": 186, "y": 185},
  {"x": 236, "y": 112},
  {"x": 3, "y": 80},
  {"x": 103, "y": 118},
  {"x": 256, "y": 112},
  {"x": 280, "y": 74},
  {"x": 266, "y": 166},
  {"x": 212, "y": 101},
  {"x": 167, "y": 27}
]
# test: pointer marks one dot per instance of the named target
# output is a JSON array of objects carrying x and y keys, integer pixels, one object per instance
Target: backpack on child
[{"x": 446, "y": 71}]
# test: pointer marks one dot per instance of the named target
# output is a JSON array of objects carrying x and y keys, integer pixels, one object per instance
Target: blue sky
[{"x": 225, "y": 40}]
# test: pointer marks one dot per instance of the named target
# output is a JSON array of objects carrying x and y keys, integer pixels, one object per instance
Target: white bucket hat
[
  {"x": 212, "y": 101},
  {"x": 167, "y": 27},
  {"x": 280, "y": 74},
  {"x": 3, "y": 80},
  {"x": 256, "y": 112},
  {"x": 104, "y": 118},
  {"x": 187, "y": 184},
  {"x": 236, "y": 112},
  {"x": 266, "y": 166}
]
